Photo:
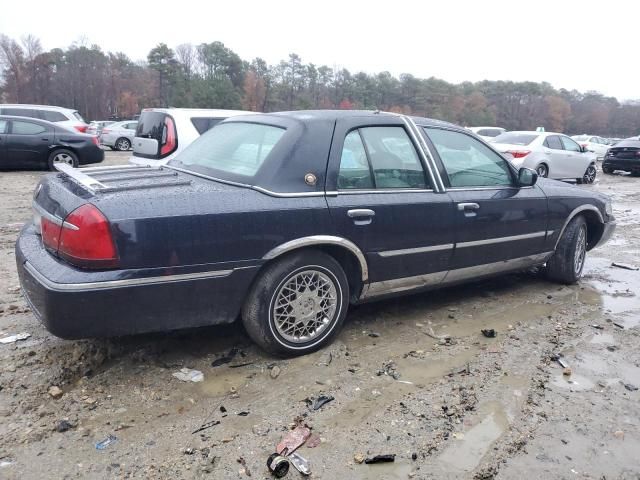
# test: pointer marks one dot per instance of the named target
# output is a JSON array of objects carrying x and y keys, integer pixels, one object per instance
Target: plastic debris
[
  {"x": 630, "y": 387},
  {"x": 106, "y": 442},
  {"x": 597, "y": 327},
  {"x": 625, "y": 266},
  {"x": 489, "y": 332},
  {"x": 189, "y": 375},
  {"x": 619, "y": 325},
  {"x": 206, "y": 425},
  {"x": 292, "y": 440},
  {"x": 558, "y": 358},
  {"x": 243, "y": 462},
  {"x": 278, "y": 465},
  {"x": 300, "y": 463},
  {"x": 381, "y": 459},
  {"x": 15, "y": 338}
]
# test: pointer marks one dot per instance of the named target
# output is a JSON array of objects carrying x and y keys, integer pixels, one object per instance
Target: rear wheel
[
  {"x": 567, "y": 263},
  {"x": 607, "y": 170},
  {"x": 297, "y": 304},
  {"x": 123, "y": 144},
  {"x": 62, "y": 156},
  {"x": 542, "y": 170}
]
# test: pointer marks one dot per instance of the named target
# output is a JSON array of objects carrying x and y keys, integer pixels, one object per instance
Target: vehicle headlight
[{"x": 608, "y": 208}]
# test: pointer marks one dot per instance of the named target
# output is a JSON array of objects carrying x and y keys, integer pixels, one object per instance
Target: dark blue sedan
[{"x": 285, "y": 219}]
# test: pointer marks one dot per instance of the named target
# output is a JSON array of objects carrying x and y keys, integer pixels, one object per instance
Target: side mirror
[{"x": 527, "y": 177}]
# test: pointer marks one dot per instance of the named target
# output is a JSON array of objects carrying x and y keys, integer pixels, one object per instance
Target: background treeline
[{"x": 104, "y": 85}]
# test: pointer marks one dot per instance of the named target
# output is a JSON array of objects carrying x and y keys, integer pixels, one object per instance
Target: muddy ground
[{"x": 470, "y": 407}]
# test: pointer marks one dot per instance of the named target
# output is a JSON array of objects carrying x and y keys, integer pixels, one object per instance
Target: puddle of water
[
  {"x": 467, "y": 452},
  {"x": 604, "y": 365},
  {"x": 603, "y": 338},
  {"x": 575, "y": 382}
]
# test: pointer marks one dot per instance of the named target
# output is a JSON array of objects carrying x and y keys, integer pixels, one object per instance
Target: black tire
[
  {"x": 589, "y": 175},
  {"x": 607, "y": 170},
  {"x": 563, "y": 266},
  {"x": 542, "y": 170},
  {"x": 259, "y": 309},
  {"x": 62, "y": 155},
  {"x": 122, "y": 144}
]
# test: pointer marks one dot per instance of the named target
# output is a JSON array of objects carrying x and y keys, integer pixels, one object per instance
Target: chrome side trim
[
  {"x": 409, "y": 251},
  {"x": 575, "y": 212},
  {"x": 424, "y": 152},
  {"x": 321, "y": 240},
  {"x": 80, "y": 178},
  {"x": 398, "y": 285},
  {"x": 52, "y": 218},
  {"x": 490, "y": 241},
  {"x": 335, "y": 193},
  {"x": 130, "y": 282}
]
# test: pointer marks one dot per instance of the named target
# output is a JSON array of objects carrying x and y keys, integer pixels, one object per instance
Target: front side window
[
  {"x": 553, "y": 142},
  {"x": 3, "y": 126},
  {"x": 570, "y": 144},
  {"x": 27, "y": 128},
  {"x": 468, "y": 162},
  {"x": 238, "y": 148}
]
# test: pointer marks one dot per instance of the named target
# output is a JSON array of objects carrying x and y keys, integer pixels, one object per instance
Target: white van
[
  {"x": 66, "y": 117},
  {"x": 163, "y": 133}
]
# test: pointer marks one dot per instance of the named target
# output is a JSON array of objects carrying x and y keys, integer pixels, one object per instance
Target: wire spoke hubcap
[
  {"x": 305, "y": 306},
  {"x": 581, "y": 251}
]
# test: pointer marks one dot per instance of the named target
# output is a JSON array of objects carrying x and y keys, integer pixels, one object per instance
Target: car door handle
[
  {"x": 361, "y": 216},
  {"x": 469, "y": 209}
]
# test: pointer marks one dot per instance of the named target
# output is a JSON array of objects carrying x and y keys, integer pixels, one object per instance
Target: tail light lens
[
  {"x": 95, "y": 141},
  {"x": 519, "y": 153},
  {"x": 81, "y": 128},
  {"x": 105, "y": 130},
  {"x": 169, "y": 142}
]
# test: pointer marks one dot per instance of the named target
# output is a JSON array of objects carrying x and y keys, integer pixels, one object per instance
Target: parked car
[
  {"x": 96, "y": 126},
  {"x": 65, "y": 117},
  {"x": 552, "y": 155},
  {"x": 163, "y": 133},
  {"x": 624, "y": 156},
  {"x": 487, "y": 133},
  {"x": 597, "y": 145},
  {"x": 27, "y": 143},
  {"x": 119, "y": 136},
  {"x": 286, "y": 219}
]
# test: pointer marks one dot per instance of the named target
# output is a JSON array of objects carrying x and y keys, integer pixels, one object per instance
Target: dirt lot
[{"x": 469, "y": 407}]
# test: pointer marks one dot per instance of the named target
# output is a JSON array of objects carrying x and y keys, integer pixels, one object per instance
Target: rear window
[
  {"x": 236, "y": 148},
  {"x": 489, "y": 132},
  {"x": 78, "y": 116},
  {"x": 151, "y": 125},
  {"x": 629, "y": 143},
  {"x": 516, "y": 138},
  {"x": 202, "y": 124},
  {"x": 52, "y": 116}
]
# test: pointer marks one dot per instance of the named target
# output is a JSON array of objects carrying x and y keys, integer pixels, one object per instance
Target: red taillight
[
  {"x": 50, "y": 234},
  {"x": 106, "y": 130},
  {"x": 95, "y": 140},
  {"x": 519, "y": 153},
  {"x": 81, "y": 128},
  {"x": 169, "y": 143},
  {"x": 85, "y": 239}
]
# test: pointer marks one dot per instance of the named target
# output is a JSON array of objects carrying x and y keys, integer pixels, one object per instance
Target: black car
[
  {"x": 27, "y": 143},
  {"x": 624, "y": 156},
  {"x": 285, "y": 219}
]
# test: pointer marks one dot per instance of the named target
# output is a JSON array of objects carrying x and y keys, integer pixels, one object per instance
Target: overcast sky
[{"x": 586, "y": 45}]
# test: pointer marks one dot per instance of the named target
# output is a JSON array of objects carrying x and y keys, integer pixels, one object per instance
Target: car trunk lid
[{"x": 624, "y": 153}]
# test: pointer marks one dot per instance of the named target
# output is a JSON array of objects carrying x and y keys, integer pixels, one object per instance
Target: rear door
[
  {"x": 28, "y": 143},
  {"x": 498, "y": 224},
  {"x": 382, "y": 198},
  {"x": 4, "y": 127}
]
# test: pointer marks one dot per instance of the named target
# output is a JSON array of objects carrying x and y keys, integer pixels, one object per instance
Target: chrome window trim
[
  {"x": 52, "y": 218},
  {"x": 315, "y": 240},
  {"x": 424, "y": 152},
  {"x": 410, "y": 251},
  {"x": 385, "y": 190},
  {"x": 496, "y": 187},
  {"x": 490, "y": 241},
  {"x": 574, "y": 212},
  {"x": 129, "y": 282}
]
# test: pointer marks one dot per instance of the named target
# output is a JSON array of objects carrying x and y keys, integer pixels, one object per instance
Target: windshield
[
  {"x": 514, "y": 138},
  {"x": 237, "y": 148}
]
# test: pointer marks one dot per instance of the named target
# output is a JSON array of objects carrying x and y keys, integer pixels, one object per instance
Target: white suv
[
  {"x": 162, "y": 133},
  {"x": 66, "y": 117}
]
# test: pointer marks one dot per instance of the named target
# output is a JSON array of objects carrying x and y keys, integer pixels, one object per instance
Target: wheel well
[{"x": 595, "y": 228}]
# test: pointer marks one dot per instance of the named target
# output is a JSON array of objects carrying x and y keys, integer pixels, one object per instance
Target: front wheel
[
  {"x": 62, "y": 156},
  {"x": 567, "y": 263},
  {"x": 297, "y": 304},
  {"x": 590, "y": 174},
  {"x": 123, "y": 144}
]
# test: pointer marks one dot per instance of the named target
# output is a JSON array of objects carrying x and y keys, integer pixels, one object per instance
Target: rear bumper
[
  {"x": 624, "y": 165},
  {"x": 72, "y": 303},
  {"x": 90, "y": 155}
]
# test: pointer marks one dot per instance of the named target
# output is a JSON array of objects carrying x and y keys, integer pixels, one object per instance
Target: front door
[
  {"x": 28, "y": 144},
  {"x": 4, "y": 126},
  {"x": 498, "y": 224},
  {"x": 382, "y": 198}
]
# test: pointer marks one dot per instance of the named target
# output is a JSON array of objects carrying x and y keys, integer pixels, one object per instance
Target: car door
[
  {"x": 28, "y": 143},
  {"x": 577, "y": 160},
  {"x": 382, "y": 197},
  {"x": 557, "y": 155},
  {"x": 499, "y": 225},
  {"x": 4, "y": 126}
]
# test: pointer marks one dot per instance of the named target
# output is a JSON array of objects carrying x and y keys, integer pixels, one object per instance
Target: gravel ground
[{"x": 468, "y": 407}]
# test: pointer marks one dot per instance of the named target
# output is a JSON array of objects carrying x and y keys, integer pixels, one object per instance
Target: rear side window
[
  {"x": 20, "y": 112},
  {"x": 202, "y": 124},
  {"x": 237, "y": 148},
  {"x": 355, "y": 171},
  {"x": 78, "y": 117},
  {"x": 27, "y": 128},
  {"x": 570, "y": 144},
  {"x": 51, "y": 116},
  {"x": 553, "y": 142},
  {"x": 3, "y": 126}
]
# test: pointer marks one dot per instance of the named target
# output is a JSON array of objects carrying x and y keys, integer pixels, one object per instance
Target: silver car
[
  {"x": 119, "y": 136},
  {"x": 96, "y": 126},
  {"x": 552, "y": 155}
]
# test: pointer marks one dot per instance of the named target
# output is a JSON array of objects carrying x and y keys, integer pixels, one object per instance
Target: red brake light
[
  {"x": 86, "y": 240},
  {"x": 81, "y": 128},
  {"x": 106, "y": 130},
  {"x": 519, "y": 153},
  {"x": 169, "y": 143},
  {"x": 95, "y": 140},
  {"x": 50, "y": 234}
]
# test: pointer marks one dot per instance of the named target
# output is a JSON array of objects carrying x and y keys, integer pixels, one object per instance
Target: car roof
[
  {"x": 198, "y": 111},
  {"x": 42, "y": 107},
  {"x": 17, "y": 117}
]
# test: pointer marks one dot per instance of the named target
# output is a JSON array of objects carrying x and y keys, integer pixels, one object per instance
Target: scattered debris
[
  {"x": 619, "y": 325},
  {"x": 300, "y": 463},
  {"x": 489, "y": 332},
  {"x": 15, "y": 338},
  {"x": 243, "y": 462},
  {"x": 189, "y": 451},
  {"x": 432, "y": 334},
  {"x": 278, "y": 465},
  {"x": 225, "y": 358},
  {"x": 206, "y": 425},
  {"x": 630, "y": 387},
  {"x": 238, "y": 365},
  {"x": 389, "y": 368},
  {"x": 414, "y": 456},
  {"x": 275, "y": 372},
  {"x": 318, "y": 403},
  {"x": 189, "y": 375},
  {"x": 292, "y": 440},
  {"x": 612, "y": 348},
  {"x": 597, "y": 327},
  {"x": 558, "y": 358},
  {"x": 106, "y": 442},
  {"x": 381, "y": 459},
  {"x": 55, "y": 392},
  {"x": 313, "y": 441},
  {"x": 222, "y": 409},
  {"x": 4, "y": 463},
  {"x": 63, "y": 426},
  {"x": 566, "y": 372},
  {"x": 358, "y": 458},
  {"x": 374, "y": 334},
  {"x": 619, "y": 434},
  {"x": 243, "y": 414},
  {"x": 626, "y": 266}
]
